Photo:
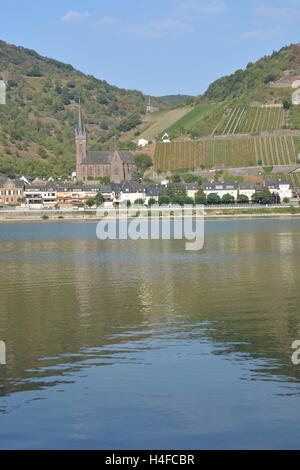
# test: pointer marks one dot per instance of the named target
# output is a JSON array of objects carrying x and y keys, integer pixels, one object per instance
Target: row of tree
[{"x": 176, "y": 194}]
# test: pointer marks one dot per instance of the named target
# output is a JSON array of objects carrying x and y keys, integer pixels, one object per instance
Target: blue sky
[{"x": 156, "y": 46}]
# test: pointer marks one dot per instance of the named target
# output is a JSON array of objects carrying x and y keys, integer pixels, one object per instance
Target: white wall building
[
  {"x": 281, "y": 187},
  {"x": 285, "y": 190},
  {"x": 221, "y": 189},
  {"x": 142, "y": 143},
  {"x": 131, "y": 191},
  {"x": 39, "y": 198}
]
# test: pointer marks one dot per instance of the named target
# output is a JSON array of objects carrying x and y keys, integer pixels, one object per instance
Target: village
[
  {"x": 84, "y": 190},
  {"x": 43, "y": 194}
]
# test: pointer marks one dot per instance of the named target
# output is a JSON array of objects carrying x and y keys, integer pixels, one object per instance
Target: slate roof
[
  {"x": 219, "y": 186},
  {"x": 191, "y": 186},
  {"x": 271, "y": 183},
  {"x": 247, "y": 185},
  {"x": 153, "y": 191},
  {"x": 132, "y": 187},
  {"x": 105, "y": 157},
  {"x": 105, "y": 188},
  {"x": 3, "y": 180},
  {"x": 16, "y": 183}
]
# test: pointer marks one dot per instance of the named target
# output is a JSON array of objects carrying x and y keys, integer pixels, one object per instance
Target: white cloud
[
  {"x": 277, "y": 13},
  {"x": 75, "y": 15},
  {"x": 159, "y": 28},
  {"x": 109, "y": 20},
  {"x": 270, "y": 20},
  {"x": 260, "y": 35},
  {"x": 181, "y": 18},
  {"x": 199, "y": 8}
]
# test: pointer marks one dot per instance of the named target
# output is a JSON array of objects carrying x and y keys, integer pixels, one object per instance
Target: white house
[
  {"x": 281, "y": 187},
  {"x": 153, "y": 192},
  {"x": 221, "y": 189},
  {"x": 248, "y": 189},
  {"x": 285, "y": 190},
  {"x": 131, "y": 191},
  {"x": 166, "y": 138},
  {"x": 191, "y": 189},
  {"x": 39, "y": 198},
  {"x": 142, "y": 142}
]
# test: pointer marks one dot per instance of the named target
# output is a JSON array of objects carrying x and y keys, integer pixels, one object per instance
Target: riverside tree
[
  {"x": 263, "y": 197},
  {"x": 213, "y": 198}
]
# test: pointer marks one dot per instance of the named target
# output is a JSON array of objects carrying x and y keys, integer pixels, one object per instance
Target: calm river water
[{"x": 143, "y": 345}]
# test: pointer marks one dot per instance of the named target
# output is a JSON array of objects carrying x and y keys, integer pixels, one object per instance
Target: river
[{"x": 143, "y": 345}]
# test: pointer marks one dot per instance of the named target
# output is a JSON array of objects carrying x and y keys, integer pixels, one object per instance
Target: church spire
[{"x": 80, "y": 130}]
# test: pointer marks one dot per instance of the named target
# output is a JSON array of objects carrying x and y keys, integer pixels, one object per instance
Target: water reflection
[{"x": 69, "y": 304}]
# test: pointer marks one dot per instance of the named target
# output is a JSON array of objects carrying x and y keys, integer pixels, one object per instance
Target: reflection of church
[{"x": 116, "y": 165}]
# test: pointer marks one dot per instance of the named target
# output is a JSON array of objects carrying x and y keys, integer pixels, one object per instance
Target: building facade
[
  {"x": 11, "y": 192},
  {"x": 116, "y": 165},
  {"x": 221, "y": 189}
]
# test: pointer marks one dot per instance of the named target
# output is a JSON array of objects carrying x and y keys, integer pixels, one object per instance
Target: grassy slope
[
  {"x": 203, "y": 118},
  {"x": 162, "y": 120}
]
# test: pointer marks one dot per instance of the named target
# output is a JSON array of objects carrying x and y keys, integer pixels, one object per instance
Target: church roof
[{"x": 105, "y": 157}]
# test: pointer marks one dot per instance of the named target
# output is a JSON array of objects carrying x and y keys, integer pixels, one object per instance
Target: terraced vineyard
[
  {"x": 250, "y": 119},
  {"x": 295, "y": 178},
  {"x": 203, "y": 119},
  {"x": 268, "y": 151}
]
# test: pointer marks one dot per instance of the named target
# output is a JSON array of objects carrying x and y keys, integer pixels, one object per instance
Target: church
[{"x": 116, "y": 164}]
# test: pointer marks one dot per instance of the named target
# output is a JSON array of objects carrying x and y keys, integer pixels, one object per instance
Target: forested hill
[
  {"x": 39, "y": 117},
  {"x": 253, "y": 83},
  {"x": 174, "y": 100}
]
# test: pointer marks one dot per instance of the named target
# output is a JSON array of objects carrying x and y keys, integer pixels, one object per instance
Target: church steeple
[
  {"x": 80, "y": 130},
  {"x": 81, "y": 144}
]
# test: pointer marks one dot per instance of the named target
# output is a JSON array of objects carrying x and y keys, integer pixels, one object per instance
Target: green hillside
[
  {"x": 175, "y": 100},
  {"x": 37, "y": 123},
  {"x": 232, "y": 104},
  {"x": 253, "y": 83}
]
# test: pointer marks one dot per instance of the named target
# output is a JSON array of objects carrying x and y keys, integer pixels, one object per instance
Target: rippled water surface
[{"x": 129, "y": 345}]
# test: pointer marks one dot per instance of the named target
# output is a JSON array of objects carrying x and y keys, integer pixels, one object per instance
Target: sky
[{"x": 156, "y": 46}]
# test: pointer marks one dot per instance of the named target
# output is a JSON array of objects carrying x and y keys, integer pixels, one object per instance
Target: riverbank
[{"x": 91, "y": 216}]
